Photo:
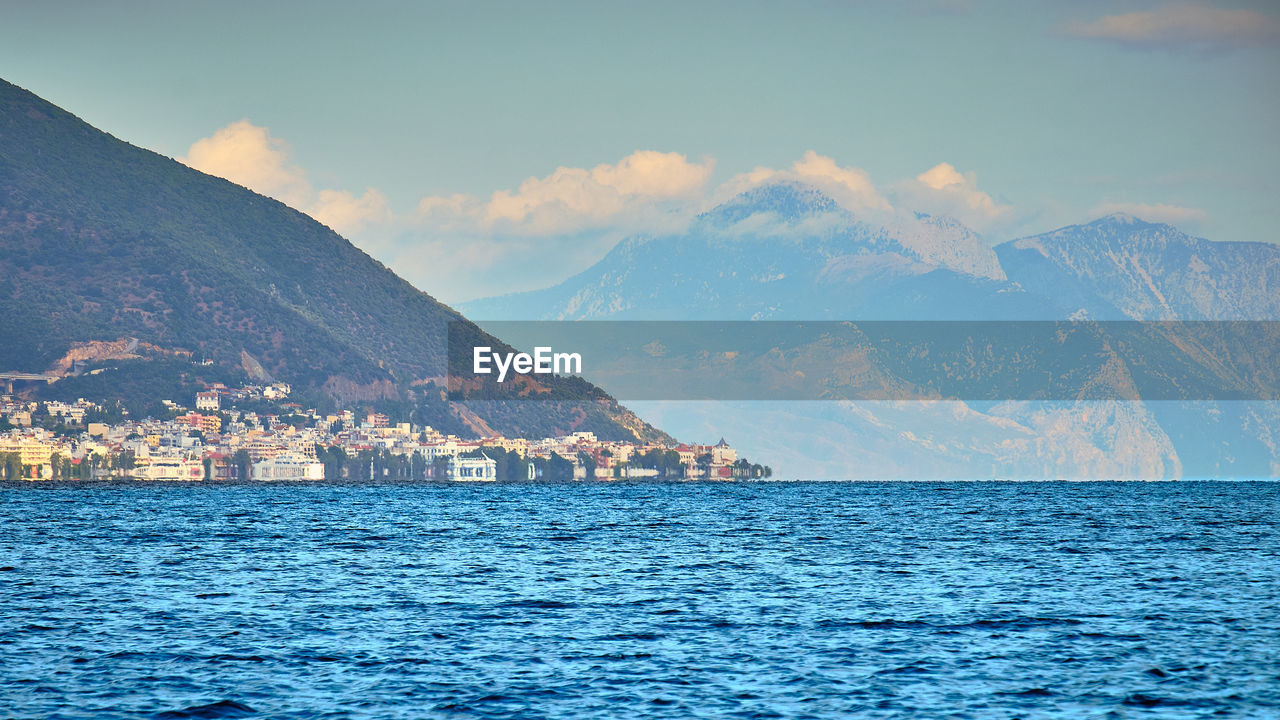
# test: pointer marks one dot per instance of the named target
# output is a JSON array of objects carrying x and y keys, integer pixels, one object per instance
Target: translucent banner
[{"x": 879, "y": 360}]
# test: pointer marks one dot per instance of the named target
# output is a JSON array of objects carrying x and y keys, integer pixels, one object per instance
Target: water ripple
[{"x": 957, "y": 600}]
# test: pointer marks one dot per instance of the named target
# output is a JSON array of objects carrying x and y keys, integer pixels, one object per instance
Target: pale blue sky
[{"x": 1055, "y": 117}]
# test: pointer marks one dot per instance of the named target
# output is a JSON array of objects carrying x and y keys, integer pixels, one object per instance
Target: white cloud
[
  {"x": 248, "y": 155},
  {"x": 464, "y": 246},
  {"x": 343, "y": 211},
  {"x": 451, "y": 214},
  {"x": 851, "y": 187},
  {"x": 944, "y": 190},
  {"x": 644, "y": 190},
  {"x": 1159, "y": 212},
  {"x": 655, "y": 174},
  {"x": 1195, "y": 28}
]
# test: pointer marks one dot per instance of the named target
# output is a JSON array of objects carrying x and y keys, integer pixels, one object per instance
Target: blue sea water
[{"x": 794, "y": 600}]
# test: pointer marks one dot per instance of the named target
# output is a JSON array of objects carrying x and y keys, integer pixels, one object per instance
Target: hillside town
[{"x": 210, "y": 439}]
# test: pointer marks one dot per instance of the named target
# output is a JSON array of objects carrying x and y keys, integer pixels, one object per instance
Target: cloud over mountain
[
  {"x": 850, "y": 186},
  {"x": 248, "y": 155},
  {"x": 944, "y": 190},
  {"x": 642, "y": 189},
  {"x": 463, "y": 246}
]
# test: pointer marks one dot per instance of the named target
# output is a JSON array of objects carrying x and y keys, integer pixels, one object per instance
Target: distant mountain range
[
  {"x": 103, "y": 244},
  {"x": 787, "y": 252}
]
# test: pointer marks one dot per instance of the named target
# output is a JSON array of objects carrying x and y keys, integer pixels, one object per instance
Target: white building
[
  {"x": 474, "y": 469},
  {"x": 722, "y": 454},
  {"x": 168, "y": 468},
  {"x": 208, "y": 400},
  {"x": 431, "y": 451},
  {"x": 67, "y": 411},
  {"x": 288, "y": 467},
  {"x": 276, "y": 391}
]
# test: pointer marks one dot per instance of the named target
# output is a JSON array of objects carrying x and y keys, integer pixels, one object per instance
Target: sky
[{"x": 483, "y": 147}]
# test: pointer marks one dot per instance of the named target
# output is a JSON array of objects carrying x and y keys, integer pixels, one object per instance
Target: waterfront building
[
  {"x": 483, "y": 468},
  {"x": 722, "y": 454},
  {"x": 172, "y": 468},
  {"x": 288, "y": 467},
  {"x": 33, "y": 452}
]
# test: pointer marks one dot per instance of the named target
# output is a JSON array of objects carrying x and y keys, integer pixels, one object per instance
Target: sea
[{"x": 694, "y": 600}]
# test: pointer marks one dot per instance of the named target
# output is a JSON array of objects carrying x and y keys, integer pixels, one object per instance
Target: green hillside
[{"x": 101, "y": 240}]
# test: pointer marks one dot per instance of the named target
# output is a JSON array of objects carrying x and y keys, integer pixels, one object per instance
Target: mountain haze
[
  {"x": 788, "y": 252},
  {"x": 783, "y": 251},
  {"x": 1120, "y": 267}
]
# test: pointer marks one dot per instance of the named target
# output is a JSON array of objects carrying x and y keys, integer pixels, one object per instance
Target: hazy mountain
[
  {"x": 1121, "y": 267},
  {"x": 103, "y": 243},
  {"x": 785, "y": 251},
  {"x": 788, "y": 252}
]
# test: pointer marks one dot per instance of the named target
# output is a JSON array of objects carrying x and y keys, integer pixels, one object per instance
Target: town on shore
[{"x": 216, "y": 439}]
